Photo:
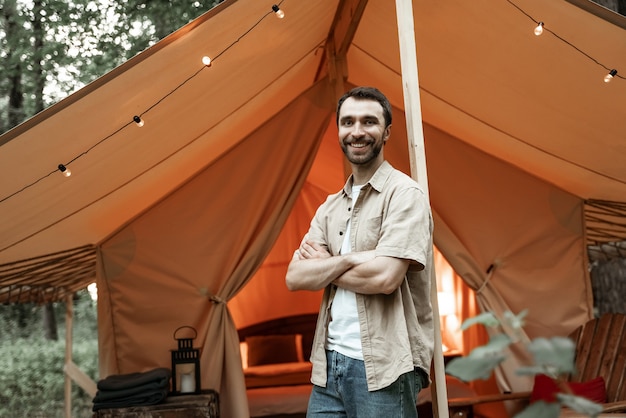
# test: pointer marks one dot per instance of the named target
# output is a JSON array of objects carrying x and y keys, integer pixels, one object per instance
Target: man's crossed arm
[{"x": 313, "y": 268}]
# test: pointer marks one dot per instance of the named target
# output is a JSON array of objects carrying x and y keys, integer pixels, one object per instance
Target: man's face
[{"x": 362, "y": 131}]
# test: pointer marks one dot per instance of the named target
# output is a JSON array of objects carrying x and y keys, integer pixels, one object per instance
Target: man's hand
[
  {"x": 312, "y": 266},
  {"x": 309, "y": 249}
]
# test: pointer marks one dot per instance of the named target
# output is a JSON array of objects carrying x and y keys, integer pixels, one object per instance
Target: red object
[{"x": 545, "y": 389}]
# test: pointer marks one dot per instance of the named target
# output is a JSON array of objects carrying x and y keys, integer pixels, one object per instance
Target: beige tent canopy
[{"x": 192, "y": 218}]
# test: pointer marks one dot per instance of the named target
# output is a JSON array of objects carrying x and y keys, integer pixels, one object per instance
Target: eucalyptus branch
[{"x": 553, "y": 357}]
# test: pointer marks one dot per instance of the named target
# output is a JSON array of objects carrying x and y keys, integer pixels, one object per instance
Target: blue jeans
[{"x": 346, "y": 394}]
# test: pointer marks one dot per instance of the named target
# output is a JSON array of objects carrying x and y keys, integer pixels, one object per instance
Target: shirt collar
[{"x": 376, "y": 181}]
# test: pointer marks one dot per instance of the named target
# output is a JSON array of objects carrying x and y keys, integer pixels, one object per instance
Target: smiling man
[{"x": 367, "y": 247}]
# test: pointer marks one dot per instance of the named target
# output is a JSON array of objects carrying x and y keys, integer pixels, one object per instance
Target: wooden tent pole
[
  {"x": 72, "y": 372},
  {"x": 417, "y": 156},
  {"x": 69, "y": 315}
]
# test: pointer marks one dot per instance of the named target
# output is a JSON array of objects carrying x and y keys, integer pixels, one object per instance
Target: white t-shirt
[{"x": 344, "y": 330}]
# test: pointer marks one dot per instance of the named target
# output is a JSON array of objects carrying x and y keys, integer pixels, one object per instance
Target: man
[{"x": 367, "y": 247}]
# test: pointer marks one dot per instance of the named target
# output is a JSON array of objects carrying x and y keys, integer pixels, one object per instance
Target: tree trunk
[
  {"x": 14, "y": 67},
  {"x": 49, "y": 322},
  {"x": 38, "y": 75}
]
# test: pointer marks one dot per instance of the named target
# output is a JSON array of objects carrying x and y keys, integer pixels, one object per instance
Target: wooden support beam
[
  {"x": 345, "y": 23},
  {"x": 71, "y": 370},
  {"x": 344, "y": 26},
  {"x": 81, "y": 378},
  {"x": 69, "y": 316},
  {"x": 417, "y": 157}
]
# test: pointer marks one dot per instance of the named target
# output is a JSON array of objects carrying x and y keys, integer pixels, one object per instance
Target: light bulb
[
  {"x": 610, "y": 75},
  {"x": 66, "y": 171},
  {"x": 279, "y": 13},
  {"x": 140, "y": 122},
  {"x": 539, "y": 29},
  {"x": 206, "y": 60}
]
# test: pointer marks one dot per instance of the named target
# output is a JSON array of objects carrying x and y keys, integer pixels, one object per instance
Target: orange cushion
[
  {"x": 545, "y": 389},
  {"x": 272, "y": 349}
]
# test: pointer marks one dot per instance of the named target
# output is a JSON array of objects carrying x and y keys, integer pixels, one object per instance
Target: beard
[{"x": 373, "y": 150}]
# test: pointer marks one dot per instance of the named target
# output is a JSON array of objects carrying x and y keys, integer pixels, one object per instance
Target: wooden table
[{"x": 204, "y": 405}]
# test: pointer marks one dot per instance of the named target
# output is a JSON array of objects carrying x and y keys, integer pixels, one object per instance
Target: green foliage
[
  {"x": 481, "y": 361},
  {"x": 68, "y": 44},
  {"x": 19, "y": 321},
  {"x": 32, "y": 378},
  {"x": 485, "y": 318},
  {"x": 551, "y": 356},
  {"x": 579, "y": 404},
  {"x": 25, "y": 320}
]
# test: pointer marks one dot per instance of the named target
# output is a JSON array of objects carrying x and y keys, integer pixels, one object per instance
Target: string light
[
  {"x": 279, "y": 13},
  {"x": 539, "y": 29},
  {"x": 610, "y": 75},
  {"x": 136, "y": 119},
  {"x": 140, "y": 122},
  {"x": 207, "y": 61},
  {"x": 64, "y": 170}
]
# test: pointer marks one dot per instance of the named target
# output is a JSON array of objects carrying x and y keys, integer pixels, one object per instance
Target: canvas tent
[{"x": 192, "y": 218}]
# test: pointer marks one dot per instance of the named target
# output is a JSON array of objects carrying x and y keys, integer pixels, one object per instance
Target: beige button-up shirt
[{"x": 392, "y": 217}]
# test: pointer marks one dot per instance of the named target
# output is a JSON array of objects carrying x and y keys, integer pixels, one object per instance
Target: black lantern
[{"x": 185, "y": 364}]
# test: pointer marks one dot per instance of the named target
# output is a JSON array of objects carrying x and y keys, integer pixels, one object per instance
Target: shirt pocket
[{"x": 371, "y": 234}]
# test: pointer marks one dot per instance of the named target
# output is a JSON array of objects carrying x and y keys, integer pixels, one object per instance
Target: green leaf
[
  {"x": 534, "y": 370},
  {"x": 515, "y": 321},
  {"x": 468, "y": 369},
  {"x": 540, "y": 409},
  {"x": 555, "y": 355},
  {"x": 481, "y": 361},
  {"x": 579, "y": 404},
  {"x": 497, "y": 343},
  {"x": 485, "y": 318}
]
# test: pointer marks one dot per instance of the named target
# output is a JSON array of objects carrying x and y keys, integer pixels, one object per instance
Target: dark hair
[{"x": 367, "y": 93}]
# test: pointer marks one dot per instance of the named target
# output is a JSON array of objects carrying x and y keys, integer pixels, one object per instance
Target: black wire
[
  {"x": 235, "y": 42},
  {"x": 564, "y": 40},
  {"x": 145, "y": 111}
]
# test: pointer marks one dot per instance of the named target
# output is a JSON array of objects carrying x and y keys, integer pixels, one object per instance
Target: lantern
[{"x": 185, "y": 364}]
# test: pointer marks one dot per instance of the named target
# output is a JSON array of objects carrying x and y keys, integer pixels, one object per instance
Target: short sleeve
[{"x": 406, "y": 227}]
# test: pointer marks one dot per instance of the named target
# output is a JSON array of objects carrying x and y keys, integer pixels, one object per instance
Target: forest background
[{"x": 48, "y": 50}]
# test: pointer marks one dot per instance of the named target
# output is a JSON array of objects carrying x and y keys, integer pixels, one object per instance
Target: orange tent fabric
[{"x": 192, "y": 218}]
